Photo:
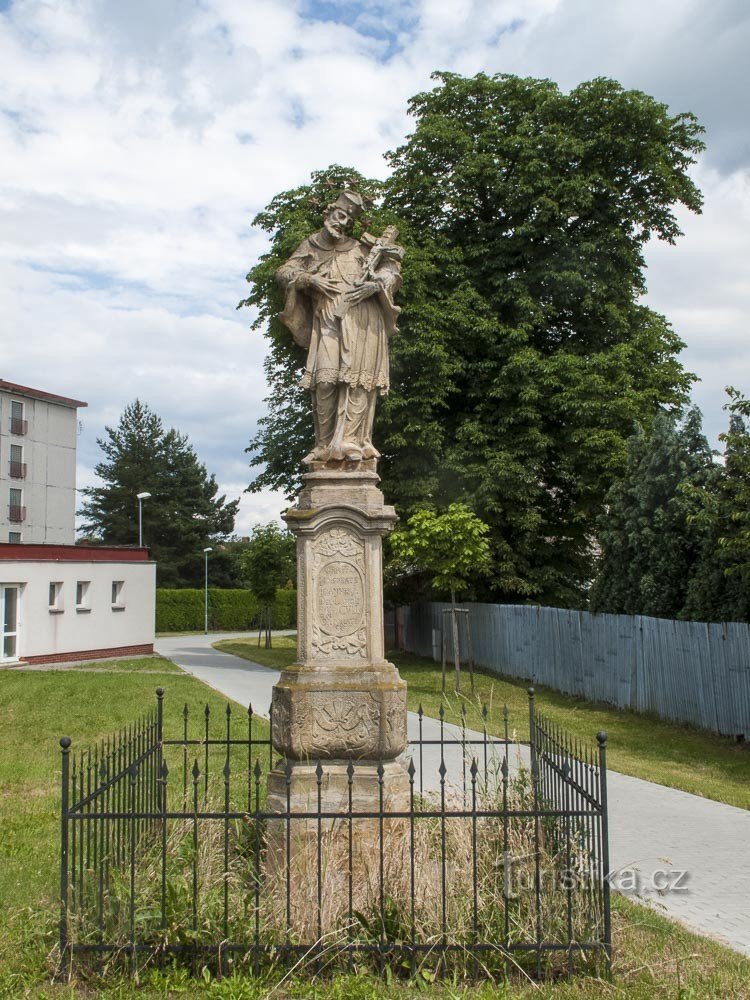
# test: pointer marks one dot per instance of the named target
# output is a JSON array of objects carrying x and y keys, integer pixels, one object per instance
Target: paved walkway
[{"x": 688, "y": 857}]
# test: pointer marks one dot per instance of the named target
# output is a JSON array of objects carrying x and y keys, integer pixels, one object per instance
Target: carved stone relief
[{"x": 339, "y": 594}]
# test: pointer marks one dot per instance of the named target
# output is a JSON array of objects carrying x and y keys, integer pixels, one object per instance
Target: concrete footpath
[{"x": 686, "y": 856}]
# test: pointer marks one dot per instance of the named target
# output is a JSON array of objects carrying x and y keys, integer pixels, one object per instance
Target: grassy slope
[
  {"x": 646, "y": 747},
  {"x": 654, "y": 958}
]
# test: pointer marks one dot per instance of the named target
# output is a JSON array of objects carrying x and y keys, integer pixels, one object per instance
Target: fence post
[
  {"x": 161, "y": 804},
  {"x": 64, "y": 805},
  {"x": 602, "y": 741},
  {"x": 532, "y": 726}
]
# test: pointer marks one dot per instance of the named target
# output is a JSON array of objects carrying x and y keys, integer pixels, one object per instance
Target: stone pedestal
[{"x": 341, "y": 701}]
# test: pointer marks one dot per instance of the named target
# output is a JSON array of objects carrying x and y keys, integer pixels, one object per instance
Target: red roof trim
[
  {"x": 30, "y": 551},
  {"x": 49, "y": 397}
]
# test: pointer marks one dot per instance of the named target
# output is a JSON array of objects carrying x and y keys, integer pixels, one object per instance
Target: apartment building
[
  {"x": 38, "y": 433},
  {"x": 60, "y": 601}
]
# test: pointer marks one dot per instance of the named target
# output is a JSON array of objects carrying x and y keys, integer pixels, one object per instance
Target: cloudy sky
[{"x": 138, "y": 138}]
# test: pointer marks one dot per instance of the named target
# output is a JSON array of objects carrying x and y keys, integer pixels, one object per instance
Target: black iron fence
[{"x": 494, "y": 856}]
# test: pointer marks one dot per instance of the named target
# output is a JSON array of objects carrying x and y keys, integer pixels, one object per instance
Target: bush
[{"x": 228, "y": 610}]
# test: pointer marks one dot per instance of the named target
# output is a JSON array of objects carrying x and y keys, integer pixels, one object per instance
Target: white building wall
[
  {"x": 49, "y": 453},
  {"x": 44, "y": 632}
]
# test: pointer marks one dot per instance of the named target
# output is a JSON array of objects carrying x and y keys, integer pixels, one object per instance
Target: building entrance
[{"x": 8, "y": 622}]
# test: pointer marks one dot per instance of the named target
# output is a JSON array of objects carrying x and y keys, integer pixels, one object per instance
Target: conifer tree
[
  {"x": 720, "y": 587},
  {"x": 650, "y": 539},
  {"x": 183, "y": 514}
]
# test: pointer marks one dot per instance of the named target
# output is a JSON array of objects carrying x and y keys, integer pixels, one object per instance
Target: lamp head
[{"x": 142, "y": 496}]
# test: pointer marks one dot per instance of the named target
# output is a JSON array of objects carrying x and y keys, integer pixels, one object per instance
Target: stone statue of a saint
[{"x": 339, "y": 304}]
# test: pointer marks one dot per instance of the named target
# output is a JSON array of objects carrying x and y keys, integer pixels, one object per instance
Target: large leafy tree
[
  {"x": 651, "y": 541},
  {"x": 183, "y": 516},
  {"x": 525, "y": 359}
]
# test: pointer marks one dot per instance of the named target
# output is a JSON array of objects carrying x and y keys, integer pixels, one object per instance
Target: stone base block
[{"x": 320, "y": 867}]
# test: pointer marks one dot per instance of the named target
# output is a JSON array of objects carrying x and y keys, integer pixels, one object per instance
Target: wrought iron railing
[{"x": 497, "y": 858}]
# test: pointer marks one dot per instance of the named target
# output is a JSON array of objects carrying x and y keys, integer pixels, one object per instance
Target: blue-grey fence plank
[{"x": 683, "y": 671}]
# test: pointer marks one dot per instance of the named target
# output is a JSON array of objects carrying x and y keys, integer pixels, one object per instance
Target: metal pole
[
  {"x": 205, "y": 596},
  {"x": 65, "y": 789},
  {"x": 602, "y": 741},
  {"x": 140, "y": 523}
]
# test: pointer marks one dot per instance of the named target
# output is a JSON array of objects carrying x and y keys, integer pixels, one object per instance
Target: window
[
  {"x": 55, "y": 598},
  {"x": 17, "y": 423},
  {"x": 118, "y": 597},
  {"x": 82, "y": 595},
  {"x": 17, "y": 468},
  {"x": 14, "y": 537},
  {"x": 16, "y": 510}
]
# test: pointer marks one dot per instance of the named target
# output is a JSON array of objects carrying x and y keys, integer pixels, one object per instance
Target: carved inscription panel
[{"x": 339, "y": 597}]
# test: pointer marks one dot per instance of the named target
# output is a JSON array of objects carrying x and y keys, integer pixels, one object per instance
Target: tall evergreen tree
[
  {"x": 183, "y": 515},
  {"x": 525, "y": 358},
  {"x": 720, "y": 587},
  {"x": 650, "y": 539}
]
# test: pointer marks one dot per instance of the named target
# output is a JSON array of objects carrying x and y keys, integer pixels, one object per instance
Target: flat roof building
[{"x": 38, "y": 436}]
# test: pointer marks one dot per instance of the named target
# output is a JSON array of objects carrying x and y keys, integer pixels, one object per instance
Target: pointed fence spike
[
  {"x": 411, "y": 769},
  {"x": 504, "y": 768},
  {"x": 250, "y": 711},
  {"x": 227, "y": 770},
  {"x": 164, "y": 770},
  {"x": 185, "y": 711},
  {"x": 229, "y": 710},
  {"x": 420, "y": 711},
  {"x": 196, "y": 770},
  {"x": 319, "y": 772},
  {"x": 474, "y": 769},
  {"x": 442, "y": 770},
  {"x": 103, "y": 770},
  {"x": 287, "y": 770},
  {"x": 207, "y": 710},
  {"x": 257, "y": 769},
  {"x": 350, "y": 771},
  {"x": 441, "y": 712}
]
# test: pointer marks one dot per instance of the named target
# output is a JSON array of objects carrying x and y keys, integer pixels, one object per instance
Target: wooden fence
[{"x": 691, "y": 672}]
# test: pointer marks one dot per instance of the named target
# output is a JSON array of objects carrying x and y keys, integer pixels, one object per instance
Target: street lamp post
[
  {"x": 205, "y": 591},
  {"x": 140, "y": 497}
]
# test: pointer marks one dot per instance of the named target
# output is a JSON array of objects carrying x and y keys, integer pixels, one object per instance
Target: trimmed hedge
[{"x": 228, "y": 610}]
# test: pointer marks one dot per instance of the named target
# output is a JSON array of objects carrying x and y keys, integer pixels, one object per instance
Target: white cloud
[{"x": 138, "y": 141}]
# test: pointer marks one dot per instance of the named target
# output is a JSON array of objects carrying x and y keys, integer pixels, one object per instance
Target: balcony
[
  {"x": 18, "y": 426},
  {"x": 16, "y": 513},
  {"x": 17, "y": 470}
]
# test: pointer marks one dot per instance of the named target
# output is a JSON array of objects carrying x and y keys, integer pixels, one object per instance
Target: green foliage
[
  {"x": 183, "y": 514},
  {"x": 269, "y": 561},
  {"x": 232, "y": 610},
  {"x": 179, "y": 610},
  {"x": 525, "y": 358},
  {"x": 649, "y": 536},
  {"x": 720, "y": 587},
  {"x": 451, "y": 547}
]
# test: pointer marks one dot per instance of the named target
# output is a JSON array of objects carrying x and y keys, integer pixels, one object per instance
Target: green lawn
[
  {"x": 654, "y": 958},
  {"x": 675, "y": 755}
]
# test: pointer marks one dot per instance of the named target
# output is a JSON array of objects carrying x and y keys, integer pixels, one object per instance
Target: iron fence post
[
  {"x": 161, "y": 804},
  {"x": 532, "y": 726},
  {"x": 602, "y": 741},
  {"x": 64, "y": 805}
]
